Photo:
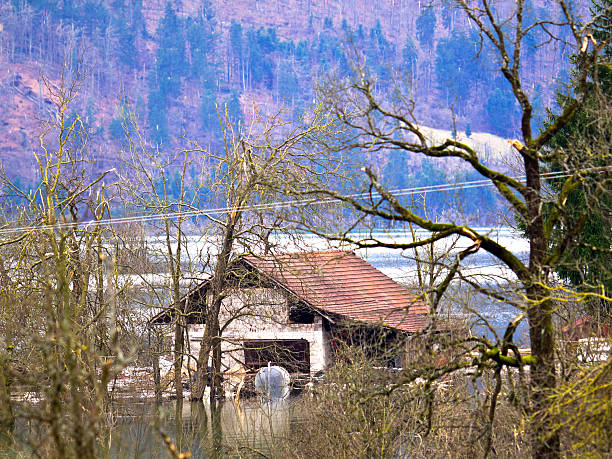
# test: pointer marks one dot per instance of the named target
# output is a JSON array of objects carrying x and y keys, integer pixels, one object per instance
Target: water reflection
[{"x": 248, "y": 428}]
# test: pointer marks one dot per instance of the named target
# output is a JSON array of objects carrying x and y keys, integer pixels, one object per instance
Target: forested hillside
[{"x": 173, "y": 63}]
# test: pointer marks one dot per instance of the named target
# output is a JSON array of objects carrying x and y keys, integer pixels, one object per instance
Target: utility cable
[{"x": 272, "y": 205}]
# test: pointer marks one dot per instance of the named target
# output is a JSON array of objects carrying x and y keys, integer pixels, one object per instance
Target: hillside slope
[{"x": 173, "y": 62}]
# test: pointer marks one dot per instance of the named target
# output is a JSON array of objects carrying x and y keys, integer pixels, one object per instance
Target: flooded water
[
  {"x": 252, "y": 428},
  {"x": 401, "y": 266},
  {"x": 139, "y": 428},
  {"x": 249, "y": 428}
]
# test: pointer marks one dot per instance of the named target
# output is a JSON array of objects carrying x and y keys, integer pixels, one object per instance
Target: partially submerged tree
[
  {"x": 159, "y": 185},
  {"x": 253, "y": 165}
]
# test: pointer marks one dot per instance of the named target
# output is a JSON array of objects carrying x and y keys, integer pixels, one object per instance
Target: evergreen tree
[
  {"x": 40, "y": 4},
  {"x": 261, "y": 45},
  {"x": 397, "y": 172},
  {"x": 234, "y": 108},
  {"x": 380, "y": 55},
  {"x": 426, "y": 26},
  {"x": 208, "y": 112},
  {"x": 538, "y": 108},
  {"x": 126, "y": 34},
  {"x": 67, "y": 9},
  {"x": 236, "y": 40},
  {"x": 202, "y": 44},
  {"x": 165, "y": 79},
  {"x": 127, "y": 47},
  {"x": 237, "y": 48},
  {"x": 302, "y": 51},
  {"x": 138, "y": 21},
  {"x": 430, "y": 174},
  {"x": 502, "y": 110},
  {"x": 115, "y": 129},
  {"x": 288, "y": 84},
  {"x": 585, "y": 140},
  {"x": 475, "y": 202},
  {"x": 158, "y": 121},
  {"x": 409, "y": 57},
  {"x": 328, "y": 51},
  {"x": 447, "y": 16},
  {"x": 93, "y": 17},
  {"x": 170, "y": 63},
  {"x": 455, "y": 62},
  {"x": 533, "y": 37}
]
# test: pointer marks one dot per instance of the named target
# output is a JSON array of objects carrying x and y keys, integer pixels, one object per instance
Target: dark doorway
[{"x": 291, "y": 354}]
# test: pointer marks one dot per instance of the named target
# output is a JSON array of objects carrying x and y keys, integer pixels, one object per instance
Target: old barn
[{"x": 295, "y": 309}]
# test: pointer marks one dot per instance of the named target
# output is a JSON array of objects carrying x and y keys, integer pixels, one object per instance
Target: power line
[
  {"x": 265, "y": 206},
  {"x": 273, "y": 205}
]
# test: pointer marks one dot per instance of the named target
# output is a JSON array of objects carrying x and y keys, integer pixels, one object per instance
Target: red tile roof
[
  {"x": 341, "y": 283},
  {"x": 588, "y": 327}
]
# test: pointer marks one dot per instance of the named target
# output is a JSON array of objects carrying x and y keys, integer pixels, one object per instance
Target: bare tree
[
  {"x": 159, "y": 185},
  {"x": 50, "y": 265},
  {"x": 375, "y": 123},
  {"x": 250, "y": 169}
]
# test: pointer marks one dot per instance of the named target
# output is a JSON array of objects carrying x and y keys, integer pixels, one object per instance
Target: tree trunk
[
  {"x": 544, "y": 442},
  {"x": 178, "y": 358},
  {"x": 7, "y": 417},
  {"x": 156, "y": 372},
  {"x": 216, "y": 391},
  {"x": 204, "y": 376},
  {"x": 178, "y": 425},
  {"x": 216, "y": 428},
  {"x": 157, "y": 379},
  {"x": 197, "y": 393},
  {"x": 211, "y": 340}
]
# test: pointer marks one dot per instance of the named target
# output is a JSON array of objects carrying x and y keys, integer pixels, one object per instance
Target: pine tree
[
  {"x": 234, "y": 108},
  {"x": 397, "y": 172},
  {"x": 426, "y": 26},
  {"x": 126, "y": 34},
  {"x": 202, "y": 44},
  {"x": 380, "y": 55},
  {"x": 260, "y": 46},
  {"x": 208, "y": 112},
  {"x": 170, "y": 64},
  {"x": 501, "y": 110},
  {"x": 236, "y": 49},
  {"x": 165, "y": 79},
  {"x": 455, "y": 62},
  {"x": 409, "y": 57},
  {"x": 158, "y": 121},
  {"x": 288, "y": 84},
  {"x": 588, "y": 261},
  {"x": 138, "y": 21}
]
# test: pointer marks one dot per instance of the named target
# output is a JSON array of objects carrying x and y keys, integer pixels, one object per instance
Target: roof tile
[{"x": 341, "y": 283}]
